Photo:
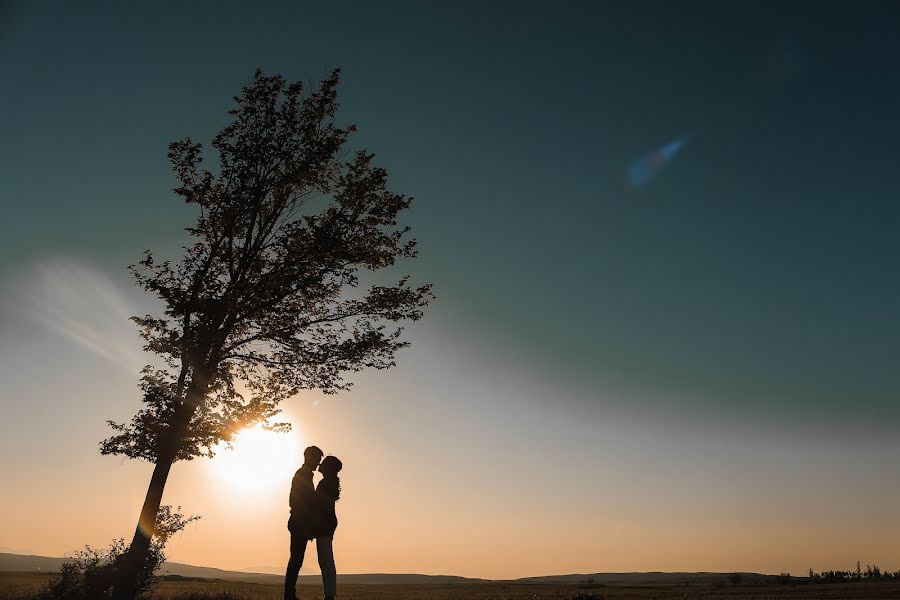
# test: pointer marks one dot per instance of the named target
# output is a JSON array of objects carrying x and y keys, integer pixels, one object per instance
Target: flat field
[{"x": 18, "y": 585}]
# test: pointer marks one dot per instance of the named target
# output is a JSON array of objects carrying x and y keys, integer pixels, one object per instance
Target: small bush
[{"x": 91, "y": 573}]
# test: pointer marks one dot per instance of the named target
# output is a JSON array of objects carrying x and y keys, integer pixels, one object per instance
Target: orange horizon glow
[{"x": 454, "y": 463}]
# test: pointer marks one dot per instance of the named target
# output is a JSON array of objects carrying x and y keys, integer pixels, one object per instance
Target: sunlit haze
[
  {"x": 664, "y": 245},
  {"x": 259, "y": 461}
]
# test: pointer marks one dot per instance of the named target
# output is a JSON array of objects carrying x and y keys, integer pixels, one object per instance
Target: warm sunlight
[
  {"x": 259, "y": 459},
  {"x": 568, "y": 301}
]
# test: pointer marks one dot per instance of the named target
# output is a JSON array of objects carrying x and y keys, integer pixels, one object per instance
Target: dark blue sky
[{"x": 756, "y": 277}]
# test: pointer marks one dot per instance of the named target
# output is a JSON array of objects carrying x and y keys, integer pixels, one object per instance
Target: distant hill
[
  {"x": 23, "y": 562},
  {"x": 26, "y": 562},
  {"x": 653, "y": 577},
  {"x": 270, "y": 569}
]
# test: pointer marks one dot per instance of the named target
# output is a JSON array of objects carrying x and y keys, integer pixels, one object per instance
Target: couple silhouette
[{"x": 313, "y": 517}]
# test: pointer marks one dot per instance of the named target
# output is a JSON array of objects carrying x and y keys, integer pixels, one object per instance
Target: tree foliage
[{"x": 274, "y": 295}]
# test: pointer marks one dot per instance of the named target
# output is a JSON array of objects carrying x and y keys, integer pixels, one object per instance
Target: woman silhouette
[{"x": 327, "y": 493}]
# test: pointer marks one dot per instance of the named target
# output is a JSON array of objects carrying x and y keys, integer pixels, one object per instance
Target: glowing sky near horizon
[{"x": 704, "y": 379}]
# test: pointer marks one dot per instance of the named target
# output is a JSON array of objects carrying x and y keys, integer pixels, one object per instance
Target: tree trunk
[
  {"x": 126, "y": 580},
  {"x": 125, "y": 587}
]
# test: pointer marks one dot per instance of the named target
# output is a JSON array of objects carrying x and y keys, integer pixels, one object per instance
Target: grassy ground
[{"x": 18, "y": 585}]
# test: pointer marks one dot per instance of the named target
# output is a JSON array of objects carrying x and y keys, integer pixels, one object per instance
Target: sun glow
[{"x": 259, "y": 459}]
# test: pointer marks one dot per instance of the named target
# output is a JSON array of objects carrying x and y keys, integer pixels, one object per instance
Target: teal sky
[
  {"x": 757, "y": 274},
  {"x": 751, "y": 289}
]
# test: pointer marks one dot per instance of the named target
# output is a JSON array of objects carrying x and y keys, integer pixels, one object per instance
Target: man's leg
[
  {"x": 298, "y": 549},
  {"x": 325, "y": 550}
]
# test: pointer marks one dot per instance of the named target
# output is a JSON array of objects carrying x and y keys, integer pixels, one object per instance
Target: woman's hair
[{"x": 329, "y": 469}]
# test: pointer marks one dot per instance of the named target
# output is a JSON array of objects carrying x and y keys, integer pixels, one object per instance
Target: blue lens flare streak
[{"x": 645, "y": 169}]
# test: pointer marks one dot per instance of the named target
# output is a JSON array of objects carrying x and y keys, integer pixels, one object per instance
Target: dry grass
[{"x": 19, "y": 585}]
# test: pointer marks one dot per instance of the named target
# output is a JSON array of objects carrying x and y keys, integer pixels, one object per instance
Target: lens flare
[{"x": 645, "y": 169}]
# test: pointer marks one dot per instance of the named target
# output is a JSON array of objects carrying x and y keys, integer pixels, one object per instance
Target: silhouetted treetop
[{"x": 269, "y": 292}]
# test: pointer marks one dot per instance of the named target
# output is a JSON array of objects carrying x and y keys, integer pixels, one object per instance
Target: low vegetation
[
  {"x": 92, "y": 573},
  {"x": 870, "y": 574}
]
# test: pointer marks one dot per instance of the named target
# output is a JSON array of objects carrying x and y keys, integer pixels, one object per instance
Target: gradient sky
[{"x": 696, "y": 374}]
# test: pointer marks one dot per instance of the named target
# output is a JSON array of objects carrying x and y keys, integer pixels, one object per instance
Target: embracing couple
[{"x": 313, "y": 517}]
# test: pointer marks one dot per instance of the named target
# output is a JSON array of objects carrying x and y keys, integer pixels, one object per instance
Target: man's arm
[
  {"x": 301, "y": 490},
  {"x": 293, "y": 498}
]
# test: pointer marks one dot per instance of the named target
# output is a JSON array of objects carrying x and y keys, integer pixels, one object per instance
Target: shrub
[{"x": 91, "y": 573}]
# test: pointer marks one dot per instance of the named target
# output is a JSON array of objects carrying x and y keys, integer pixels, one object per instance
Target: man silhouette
[{"x": 303, "y": 515}]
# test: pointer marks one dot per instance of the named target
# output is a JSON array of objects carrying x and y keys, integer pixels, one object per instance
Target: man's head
[{"x": 312, "y": 456}]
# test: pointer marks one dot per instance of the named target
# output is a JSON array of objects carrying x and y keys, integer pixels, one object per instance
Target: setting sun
[{"x": 259, "y": 459}]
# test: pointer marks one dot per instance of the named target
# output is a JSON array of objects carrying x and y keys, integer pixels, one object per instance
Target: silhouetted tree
[{"x": 269, "y": 294}]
